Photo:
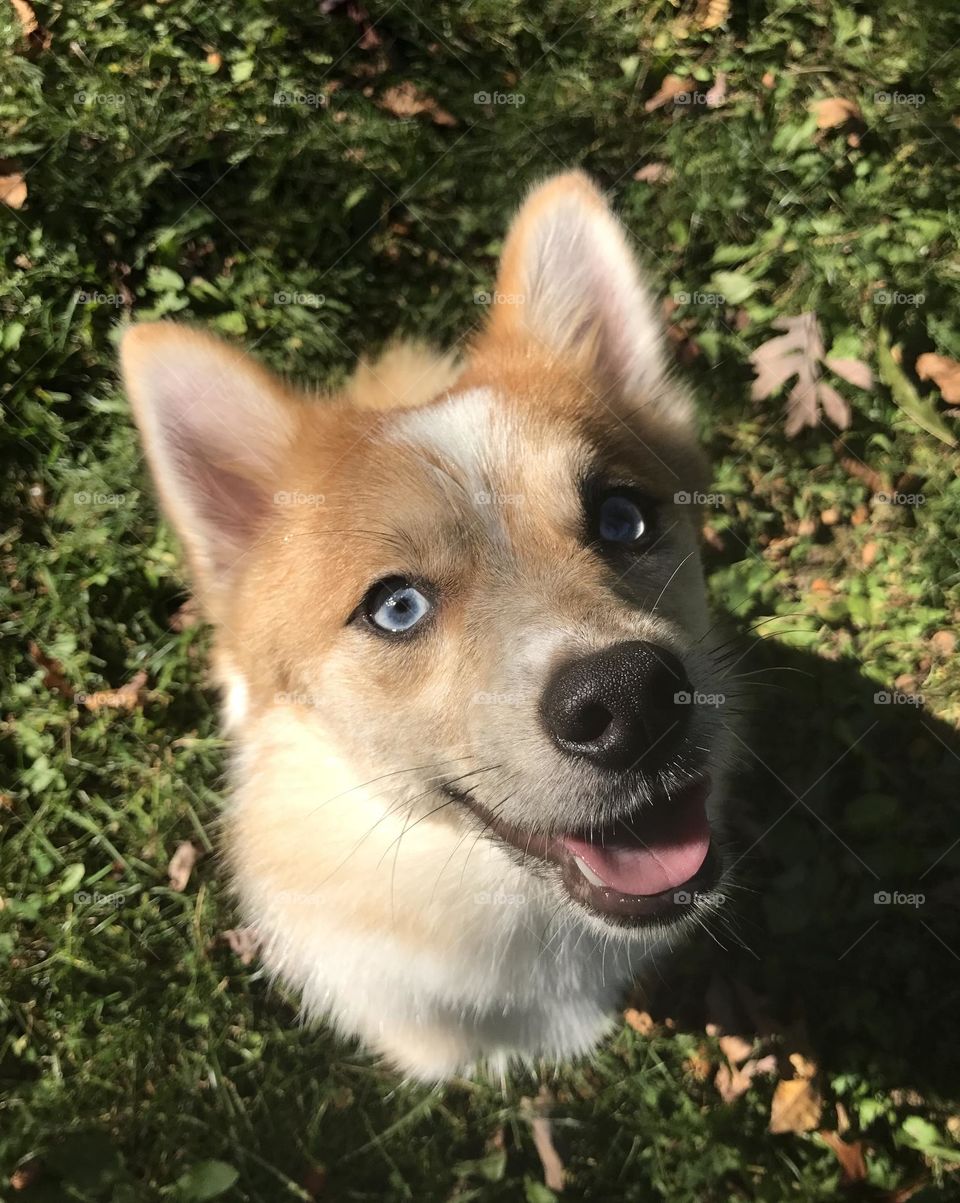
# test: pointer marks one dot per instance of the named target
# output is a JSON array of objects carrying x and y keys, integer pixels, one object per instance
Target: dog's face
[{"x": 497, "y": 592}]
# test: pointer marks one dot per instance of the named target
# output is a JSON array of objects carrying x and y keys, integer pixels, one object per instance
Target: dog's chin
[{"x": 655, "y": 867}]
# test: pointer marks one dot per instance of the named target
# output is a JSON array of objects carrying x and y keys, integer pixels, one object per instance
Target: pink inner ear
[{"x": 227, "y": 507}]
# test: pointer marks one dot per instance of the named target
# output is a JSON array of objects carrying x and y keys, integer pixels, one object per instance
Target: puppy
[{"x": 461, "y": 632}]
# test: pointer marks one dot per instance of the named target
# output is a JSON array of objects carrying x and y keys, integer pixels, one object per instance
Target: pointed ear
[
  {"x": 569, "y": 281},
  {"x": 215, "y": 427}
]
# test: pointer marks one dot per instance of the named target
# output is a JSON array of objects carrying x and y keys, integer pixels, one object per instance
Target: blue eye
[
  {"x": 620, "y": 519},
  {"x": 396, "y": 606}
]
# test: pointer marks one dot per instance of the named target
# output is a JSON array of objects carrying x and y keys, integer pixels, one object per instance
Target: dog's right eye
[{"x": 395, "y": 606}]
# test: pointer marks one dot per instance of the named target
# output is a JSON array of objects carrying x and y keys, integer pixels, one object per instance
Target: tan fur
[{"x": 361, "y": 875}]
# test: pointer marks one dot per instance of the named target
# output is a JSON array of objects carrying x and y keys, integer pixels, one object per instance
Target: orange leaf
[
  {"x": 834, "y": 111},
  {"x": 181, "y": 865},
  {"x": 796, "y": 1106},
  {"x": 853, "y": 1167},
  {"x": 13, "y": 190},
  {"x": 944, "y": 372},
  {"x": 673, "y": 85}
]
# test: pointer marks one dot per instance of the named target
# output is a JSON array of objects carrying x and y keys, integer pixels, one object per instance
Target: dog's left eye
[
  {"x": 621, "y": 518},
  {"x": 396, "y": 606}
]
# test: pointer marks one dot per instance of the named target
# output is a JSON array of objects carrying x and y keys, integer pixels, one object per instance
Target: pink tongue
[{"x": 667, "y": 849}]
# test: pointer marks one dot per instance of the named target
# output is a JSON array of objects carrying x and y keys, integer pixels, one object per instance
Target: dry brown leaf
[
  {"x": 244, "y": 941},
  {"x": 943, "y": 642},
  {"x": 181, "y": 865},
  {"x": 854, "y": 371},
  {"x": 406, "y": 100},
  {"x": 38, "y": 37},
  {"x": 54, "y": 676},
  {"x": 944, "y": 372},
  {"x": 803, "y": 1067},
  {"x": 127, "y": 697},
  {"x": 798, "y": 352},
  {"x": 554, "y": 1173},
  {"x": 654, "y": 173},
  {"x": 717, "y": 95},
  {"x": 672, "y": 86},
  {"x": 796, "y": 1106},
  {"x": 834, "y": 111},
  {"x": 853, "y": 1167},
  {"x": 712, "y": 13},
  {"x": 732, "y": 1082},
  {"x": 735, "y": 1048},
  {"x": 13, "y": 190},
  {"x": 640, "y": 1021}
]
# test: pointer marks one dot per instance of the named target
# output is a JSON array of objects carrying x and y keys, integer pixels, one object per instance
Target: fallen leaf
[
  {"x": 640, "y": 1021},
  {"x": 768, "y": 79},
  {"x": 798, "y": 352},
  {"x": 38, "y": 37},
  {"x": 554, "y": 1174},
  {"x": 943, "y": 642},
  {"x": 834, "y": 111},
  {"x": 244, "y": 941},
  {"x": 672, "y": 86},
  {"x": 731, "y": 1082},
  {"x": 181, "y": 865},
  {"x": 406, "y": 100},
  {"x": 803, "y": 1067},
  {"x": 54, "y": 676},
  {"x": 796, "y": 1106},
  {"x": 830, "y": 517},
  {"x": 13, "y": 190},
  {"x": 654, "y": 173},
  {"x": 716, "y": 95},
  {"x": 127, "y": 697},
  {"x": 853, "y": 1167},
  {"x": 712, "y": 13},
  {"x": 868, "y": 553},
  {"x": 735, "y": 1048},
  {"x": 944, "y": 372},
  {"x": 854, "y": 371}
]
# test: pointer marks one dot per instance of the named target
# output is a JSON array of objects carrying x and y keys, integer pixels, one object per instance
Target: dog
[{"x": 462, "y": 636}]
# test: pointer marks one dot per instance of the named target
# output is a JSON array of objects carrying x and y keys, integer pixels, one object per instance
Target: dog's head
[{"x": 494, "y": 588}]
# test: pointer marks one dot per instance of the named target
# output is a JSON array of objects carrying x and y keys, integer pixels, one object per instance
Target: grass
[{"x": 165, "y": 179}]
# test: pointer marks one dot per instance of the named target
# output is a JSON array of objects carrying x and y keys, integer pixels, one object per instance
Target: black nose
[{"x": 619, "y": 707}]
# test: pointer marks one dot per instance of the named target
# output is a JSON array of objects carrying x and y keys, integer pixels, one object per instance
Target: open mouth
[{"x": 650, "y": 865}]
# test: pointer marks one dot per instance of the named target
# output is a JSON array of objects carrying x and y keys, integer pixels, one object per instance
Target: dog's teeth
[{"x": 587, "y": 871}]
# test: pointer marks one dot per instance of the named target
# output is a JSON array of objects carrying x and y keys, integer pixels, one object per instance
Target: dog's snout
[{"x": 618, "y": 707}]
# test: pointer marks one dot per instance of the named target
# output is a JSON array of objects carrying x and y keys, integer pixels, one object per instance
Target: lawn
[{"x": 309, "y": 181}]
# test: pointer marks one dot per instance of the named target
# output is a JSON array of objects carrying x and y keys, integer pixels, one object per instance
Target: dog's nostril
[{"x": 588, "y": 723}]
